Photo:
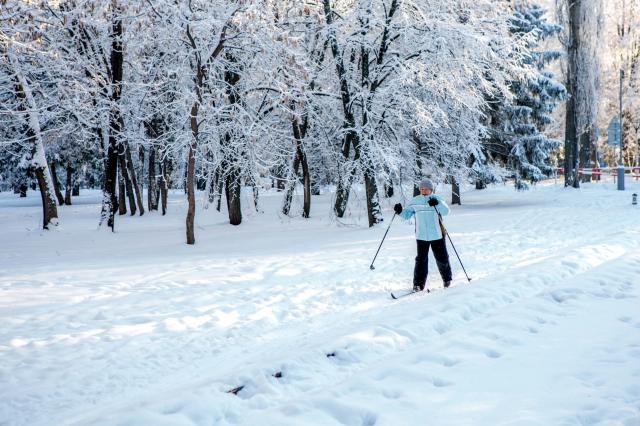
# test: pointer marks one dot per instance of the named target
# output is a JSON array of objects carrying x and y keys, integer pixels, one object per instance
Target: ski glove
[
  {"x": 433, "y": 202},
  {"x": 397, "y": 208}
]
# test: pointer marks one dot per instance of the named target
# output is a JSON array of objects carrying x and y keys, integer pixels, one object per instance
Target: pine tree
[{"x": 516, "y": 138}]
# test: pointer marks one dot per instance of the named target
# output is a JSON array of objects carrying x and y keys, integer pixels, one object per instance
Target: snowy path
[{"x": 152, "y": 332}]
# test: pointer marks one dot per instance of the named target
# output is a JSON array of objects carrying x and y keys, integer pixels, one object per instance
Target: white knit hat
[{"x": 426, "y": 183}]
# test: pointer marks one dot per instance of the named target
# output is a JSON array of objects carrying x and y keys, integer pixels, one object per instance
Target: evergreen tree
[{"x": 515, "y": 138}]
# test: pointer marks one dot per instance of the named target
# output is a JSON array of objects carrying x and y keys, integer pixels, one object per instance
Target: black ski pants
[{"x": 421, "y": 270}]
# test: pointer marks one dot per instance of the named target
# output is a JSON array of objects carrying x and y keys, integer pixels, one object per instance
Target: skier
[{"x": 428, "y": 233}]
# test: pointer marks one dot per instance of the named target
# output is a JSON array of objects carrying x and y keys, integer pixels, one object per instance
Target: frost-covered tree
[
  {"x": 451, "y": 112},
  {"x": 28, "y": 97},
  {"x": 621, "y": 51},
  {"x": 518, "y": 130},
  {"x": 215, "y": 58},
  {"x": 15, "y": 175},
  {"x": 219, "y": 96},
  {"x": 411, "y": 77},
  {"x": 583, "y": 31}
]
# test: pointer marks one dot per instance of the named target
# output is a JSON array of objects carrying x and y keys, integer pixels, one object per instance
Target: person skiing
[{"x": 429, "y": 233}]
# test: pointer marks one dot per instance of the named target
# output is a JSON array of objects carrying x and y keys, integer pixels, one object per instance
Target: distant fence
[{"x": 634, "y": 172}]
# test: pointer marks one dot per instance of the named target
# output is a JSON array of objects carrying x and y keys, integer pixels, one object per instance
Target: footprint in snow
[
  {"x": 561, "y": 296},
  {"x": 492, "y": 353},
  {"x": 619, "y": 296},
  {"x": 440, "y": 382},
  {"x": 625, "y": 319},
  {"x": 392, "y": 393},
  {"x": 441, "y": 327},
  {"x": 100, "y": 316},
  {"x": 570, "y": 264},
  {"x": 489, "y": 335},
  {"x": 436, "y": 359}
]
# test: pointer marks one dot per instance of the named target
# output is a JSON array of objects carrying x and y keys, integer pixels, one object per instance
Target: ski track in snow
[{"x": 548, "y": 331}]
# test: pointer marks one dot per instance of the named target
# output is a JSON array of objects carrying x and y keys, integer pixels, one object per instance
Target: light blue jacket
[{"x": 427, "y": 223}]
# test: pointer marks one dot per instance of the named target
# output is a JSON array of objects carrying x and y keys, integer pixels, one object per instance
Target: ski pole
[
  {"x": 385, "y": 236},
  {"x": 454, "y": 247}
]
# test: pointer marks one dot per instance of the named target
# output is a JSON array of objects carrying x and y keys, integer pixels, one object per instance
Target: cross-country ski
[{"x": 403, "y": 294}]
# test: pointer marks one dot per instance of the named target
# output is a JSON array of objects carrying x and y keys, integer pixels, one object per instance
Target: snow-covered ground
[{"x": 137, "y": 328}]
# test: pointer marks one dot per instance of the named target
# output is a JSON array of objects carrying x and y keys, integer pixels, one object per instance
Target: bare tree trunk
[
  {"x": 256, "y": 197},
  {"x": 343, "y": 189},
  {"x": 416, "y": 140},
  {"x": 344, "y": 184},
  {"x": 586, "y": 154},
  {"x": 191, "y": 166},
  {"x": 49, "y": 204},
  {"x": 152, "y": 197},
  {"x": 388, "y": 190},
  {"x": 109, "y": 202},
  {"x": 141, "y": 158},
  {"x": 219, "y": 188},
  {"x": 133, "y": 177},
  {"x": 278, "y": 180},
  {"x": 38, "y": 157},
  {"x": 185, "y": 177},
  {"x": 122, "y": 201},
  {"x": 191, "y": 198},
  {"x": 233, "y": 188},
  {"x": 124, "y": 175},
  {"x": 68, "y": 186},
  {"x": 371, "y": 187},
  {"x": 195, "y": 131},
  {"x": 165, "y": 179},
  {"x": 299, "y": 133},
  {"x": 455, "y": 191},
  {"x": 200, "y": 65},
  {"x": 571, "y": 142},
  {"x": 306, "y": 184},
  {"x": 293, "y": 181},
  {"x": 373, "y": 202},
  {"x": 211, "y": 187},
  {"x": 56, "y": 183},
  {"x": 234, "y": 176},
  {"x": 571, "y": 145}
]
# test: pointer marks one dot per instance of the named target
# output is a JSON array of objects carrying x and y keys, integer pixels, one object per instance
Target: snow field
[{"x": 136, "y": 328}]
